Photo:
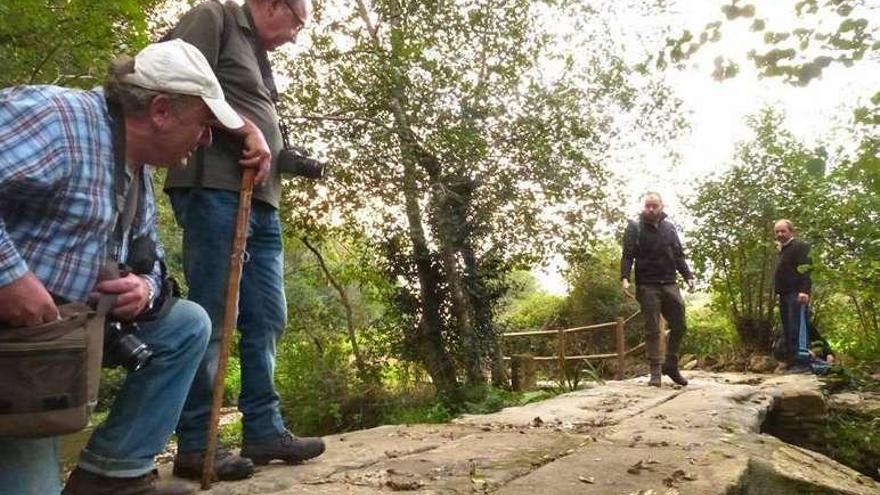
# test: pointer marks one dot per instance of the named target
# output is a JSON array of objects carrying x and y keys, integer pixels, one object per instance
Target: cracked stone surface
[{"x": 618, "y": 438}]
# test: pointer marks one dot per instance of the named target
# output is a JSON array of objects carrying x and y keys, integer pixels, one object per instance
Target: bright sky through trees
[{"x": 817, "y": 113}]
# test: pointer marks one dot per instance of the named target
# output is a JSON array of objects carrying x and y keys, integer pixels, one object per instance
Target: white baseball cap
[{"x": 175, "y": 66}]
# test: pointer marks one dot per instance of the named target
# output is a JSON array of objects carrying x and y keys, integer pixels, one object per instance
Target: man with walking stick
[{"x": 236, "y": 40}]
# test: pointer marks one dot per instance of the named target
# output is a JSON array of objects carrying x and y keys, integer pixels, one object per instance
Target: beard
[{"x": 651, "y": 217}]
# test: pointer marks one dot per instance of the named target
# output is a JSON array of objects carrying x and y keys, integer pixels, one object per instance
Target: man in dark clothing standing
[
  {"x": 652, "y": 243},
  {"x": 793, "y": 287}
]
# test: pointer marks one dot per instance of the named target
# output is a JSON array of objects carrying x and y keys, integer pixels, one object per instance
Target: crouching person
[{"x": 75, "y": 194}]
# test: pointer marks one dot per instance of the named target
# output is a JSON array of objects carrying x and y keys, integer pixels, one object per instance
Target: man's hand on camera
[
  {"x": 26, "y": 302},
  {"x": 624, "y": 284},
  {"x": 133, "y": 295},
  {"x": 255, "y": 152},
  {"x": 692, "y": 285}
]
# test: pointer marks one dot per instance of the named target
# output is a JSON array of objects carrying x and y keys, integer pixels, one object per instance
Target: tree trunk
[
  {"x": 430, "y": 337},
  {"x": 360, "y": 365},
  {"x": 450, "y": 227},
  {"x": 483, "y": 320},
  {"x": 461, "y": 310}
]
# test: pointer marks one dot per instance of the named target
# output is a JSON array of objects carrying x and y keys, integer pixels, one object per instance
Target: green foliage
[
  {"x": 481, "y": 400},
  {"x": 230, "y": 434},
  {"x": 773, "y": 177},
  {"x": 852, "y": 439},
  {"x": 68, "y": 42},
  {"x": 432, "y": 412},
  {"x": 111, "y": 383},
  {"x": 314, "y": 383},
  {"x": 596, "y": 297},
  {"x": 710, "y": 330},
  {"x": 594, "y": 278},
  {"x": 835, "y": 210},
  {"x": 232, "y": 385},
  {"x": 532, "y": 312}
]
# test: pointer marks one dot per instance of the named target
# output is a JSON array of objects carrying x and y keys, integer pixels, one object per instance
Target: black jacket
[
  {"x": 793, "y": 268},
  {"x": 656, "y": 251}
]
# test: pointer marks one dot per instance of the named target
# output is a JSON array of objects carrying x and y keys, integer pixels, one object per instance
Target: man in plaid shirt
[{"x": 58, "y": 210}]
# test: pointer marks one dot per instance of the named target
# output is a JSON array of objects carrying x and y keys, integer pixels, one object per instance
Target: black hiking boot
[
  {"x": 227, "y": 466},
  {"x": 283, "y": 447},
  {"x": 82, "y": 482},
  {"x": 670, "y": 369}
]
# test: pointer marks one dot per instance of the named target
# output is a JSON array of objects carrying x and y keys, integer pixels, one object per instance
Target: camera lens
[
  {"x": 294, "y": 162},
  {"x": 124, "y": 349},
  {"x": 132, "y": 352}
]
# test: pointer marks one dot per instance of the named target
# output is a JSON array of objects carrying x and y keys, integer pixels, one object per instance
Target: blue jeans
[
  {"x": 29, "y": 466},
  {"x": 147, "y": 408},
  {"x": 207, "y": 217},
  {"x": 795, "y": 318}
]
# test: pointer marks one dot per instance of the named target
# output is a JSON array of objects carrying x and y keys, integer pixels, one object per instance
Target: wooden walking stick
[{"x": 230, "y": 316}]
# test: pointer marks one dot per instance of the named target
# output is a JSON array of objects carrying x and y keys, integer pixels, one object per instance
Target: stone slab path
[{"x": 618, "y": 438}]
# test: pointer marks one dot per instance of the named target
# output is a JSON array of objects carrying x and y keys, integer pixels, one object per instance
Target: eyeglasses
[{"x": 300, "y": 22}]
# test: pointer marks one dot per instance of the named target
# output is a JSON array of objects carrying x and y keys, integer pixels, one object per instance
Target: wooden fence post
[
  {"x": 523, "y": 373},
  {"x": 560, "y": 355},
  {"x": 621, "y": 347}
]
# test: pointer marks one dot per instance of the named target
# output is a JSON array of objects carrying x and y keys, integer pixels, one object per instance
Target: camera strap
[{"x": 127, "y": 198}]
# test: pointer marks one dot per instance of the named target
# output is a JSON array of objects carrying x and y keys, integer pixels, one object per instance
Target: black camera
[
  {"x": 123, "y": 348},
  {"x": 296, "y": 161}
]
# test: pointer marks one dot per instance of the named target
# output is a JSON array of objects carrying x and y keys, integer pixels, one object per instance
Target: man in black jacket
[
  {"x": 652, "y": 243},
  {"x": 793, "y": 287}
]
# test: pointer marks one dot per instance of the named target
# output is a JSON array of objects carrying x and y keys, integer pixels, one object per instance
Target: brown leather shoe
[{"x": 82, "y": 482}]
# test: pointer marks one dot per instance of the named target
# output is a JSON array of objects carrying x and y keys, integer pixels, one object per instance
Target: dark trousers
[
  {"x": 795, "y": 318},
  {"x": 665, "y": 299}
]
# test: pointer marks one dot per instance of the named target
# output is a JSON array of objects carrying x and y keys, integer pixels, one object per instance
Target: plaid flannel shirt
[{"x": 57, "y": 206}]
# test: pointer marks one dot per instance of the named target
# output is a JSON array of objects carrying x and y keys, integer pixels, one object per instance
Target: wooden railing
[{"x": 618, "y": 326}]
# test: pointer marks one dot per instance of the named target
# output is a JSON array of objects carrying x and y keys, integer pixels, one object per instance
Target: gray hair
[
  {"x": 652, "y": 194},
  {"x": 785, "y": 222},
  {"x": 135, "y": 100},
  {"x": 305, "y": 6}
]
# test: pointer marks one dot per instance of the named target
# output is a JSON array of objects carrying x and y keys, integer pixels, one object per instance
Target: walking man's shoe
[
  {"x": 227, "y": 466},
  {"x": 83, "y": 482},
  {"x": 670, "y": 369},
  {"x": 654, "y": 381},
  {"x": 282, "y": 447}
]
